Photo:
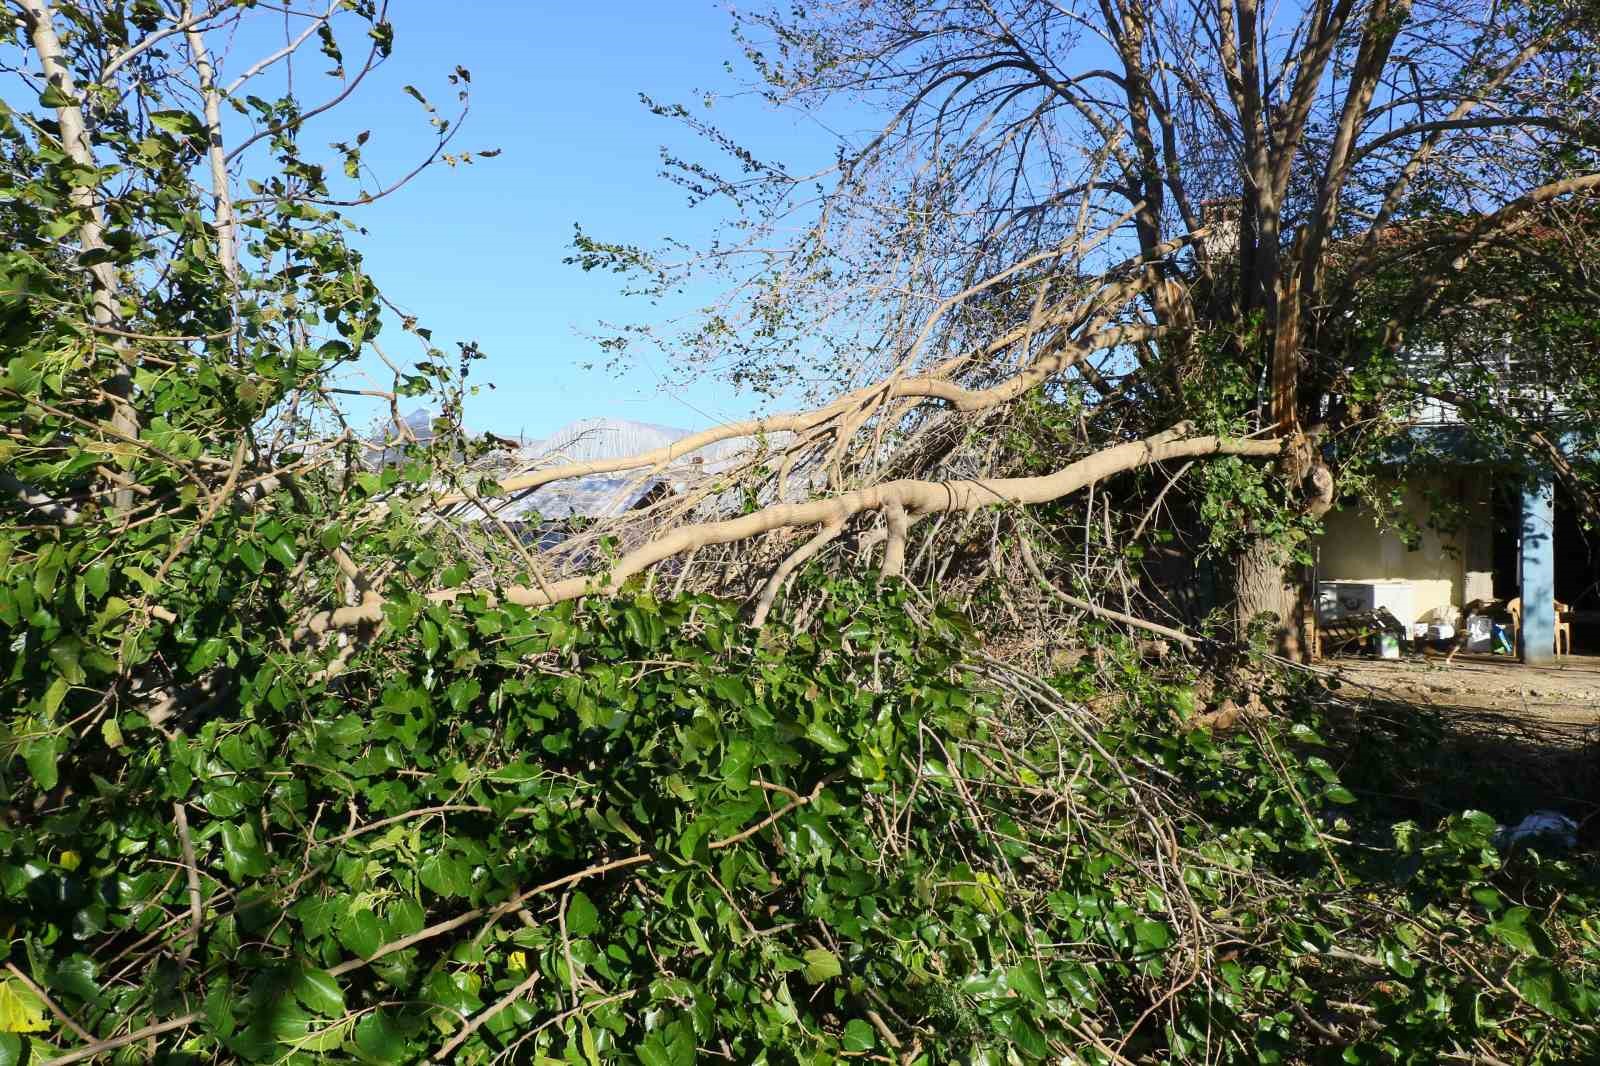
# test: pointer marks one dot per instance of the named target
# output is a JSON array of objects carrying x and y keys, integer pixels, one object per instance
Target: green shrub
[{"x": 626, "y": 831}]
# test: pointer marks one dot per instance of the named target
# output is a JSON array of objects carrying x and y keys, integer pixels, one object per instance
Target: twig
[
  {"x": 446, "y": 808},
  {"x": 494, "y": 913},
  {"x": 1095, "y": 609},
  {"x": 192, "y": 871},
  {"x": 61, "y": 1015},
  {"x": 182, "y": 1021},
  {"x": 443, "y": 1054},
  {"x": 773, "y": 817},
  {"x": 212, "y": 507},
  {"x": 1138, "y": 530}
]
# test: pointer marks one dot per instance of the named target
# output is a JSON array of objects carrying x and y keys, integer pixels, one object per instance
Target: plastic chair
[{"x": 1563, "y": 628}]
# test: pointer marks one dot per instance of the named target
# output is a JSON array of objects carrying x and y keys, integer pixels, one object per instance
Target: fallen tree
[{"x": 297, "y": 765}]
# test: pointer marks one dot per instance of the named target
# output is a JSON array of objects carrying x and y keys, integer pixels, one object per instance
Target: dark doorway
[
  {"x": 1578, "y": 572},
  {"x": 1507, "y": 560}
]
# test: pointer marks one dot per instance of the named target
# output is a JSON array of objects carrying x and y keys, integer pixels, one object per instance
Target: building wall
[{"x": 1446, "y": 571}]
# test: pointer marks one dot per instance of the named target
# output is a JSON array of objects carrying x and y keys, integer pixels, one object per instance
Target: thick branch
[
  {"x": 894, "y": 549},
  {"x": 46, "y": 506},
  {"x": 798, "y": 558},
  {"x": 922, "y": 386},
  {"x": 37, "y": 17},
  {"x": 916, "y": 498}
]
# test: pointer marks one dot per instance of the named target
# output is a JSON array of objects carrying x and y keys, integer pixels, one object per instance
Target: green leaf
[
  {"x": 250, "y": 553},
  {"x": 1152, "y": 936},
  {"x": 1511, "y": 928},
  {"x": 78, "y": 975},
  {"x": 377, "y": 1040},
  {"x": 180, "y": 122},
  {"x": 445, "y": 874},
  {"x": 582, "y": 918},
  {"x": 1319, "y": 766},
  {"x": 821, "y": 964},
  {"x": 242, "y": 853},
  {"x": 858, "y": 1036},
  {"x": 404, "y": 917},
  {"x": 1540, "y": 984},
  {"x": 40, "y": 755},
  {"x": 826, "y": 737},
  {"x": 1028, "y": 1038},
  {"x": 54, "y": 97},
  {"x": 97, "y": 579},
  {"x": 1025, "y": 980},
  {"x": 361, "y": 932},
  {"x": 289, "y": 1023},
  {"x": 10, "y": 1049},
  {"x": 282, "y": 549},
  {"x": 205, "y": 653},
  {"x": 319, "y": 990},
  {"x": 516, "y": 773},
  {"x": 21, "y": 1011},
  {"x": 1339, "y": 794},
  {"x": 66, "y": 653}
]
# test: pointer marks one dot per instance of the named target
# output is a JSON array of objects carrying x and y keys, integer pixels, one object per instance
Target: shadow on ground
[{"x": 1424, "y": 761}]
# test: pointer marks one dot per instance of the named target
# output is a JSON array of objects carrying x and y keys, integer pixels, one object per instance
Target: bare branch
[
  {"x": 917, "y": 498},
  {"x": 775, "y": 583},
  {"x": 46, "y": 506}
]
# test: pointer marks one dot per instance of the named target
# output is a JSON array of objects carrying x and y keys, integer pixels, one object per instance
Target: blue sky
[{"x": 476, "y": 251}]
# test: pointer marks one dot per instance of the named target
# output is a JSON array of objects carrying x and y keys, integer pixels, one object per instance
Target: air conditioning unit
[{"x": 1340, "y": 599}]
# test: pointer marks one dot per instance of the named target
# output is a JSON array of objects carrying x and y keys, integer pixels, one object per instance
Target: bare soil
[{"x": 1564, "y": 694}]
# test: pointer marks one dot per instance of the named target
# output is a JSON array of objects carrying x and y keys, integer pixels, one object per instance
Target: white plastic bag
[{"x": 1480, "y": 631}]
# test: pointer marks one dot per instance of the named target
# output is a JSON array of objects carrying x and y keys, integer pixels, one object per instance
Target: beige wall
[{"x": 1356, "y": 547}]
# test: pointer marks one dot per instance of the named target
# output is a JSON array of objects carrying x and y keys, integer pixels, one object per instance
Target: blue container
[{"x": 1500, "y": 640}]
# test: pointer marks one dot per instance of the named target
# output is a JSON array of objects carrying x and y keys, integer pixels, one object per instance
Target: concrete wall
[{"x": 1357, "y": 547}]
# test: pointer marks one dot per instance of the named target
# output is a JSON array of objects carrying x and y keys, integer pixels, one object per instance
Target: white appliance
[{"x": 1339, "y": 599}]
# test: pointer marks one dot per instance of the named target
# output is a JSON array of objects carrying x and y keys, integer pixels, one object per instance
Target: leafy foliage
[
  {"x": 664, "y": 832},
  {"x": 630, "y": 829}
]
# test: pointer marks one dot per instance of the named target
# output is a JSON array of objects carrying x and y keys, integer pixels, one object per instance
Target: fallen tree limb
[
  {"x": 916, "y": 498},
  {"x": 904, "y": 502},
  {"x": 928, "y": 386}
]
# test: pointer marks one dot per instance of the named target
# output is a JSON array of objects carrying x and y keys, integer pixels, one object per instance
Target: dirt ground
[
  {"x": 1505, "y": 738},
  {"x": 1564, "y": 694}
]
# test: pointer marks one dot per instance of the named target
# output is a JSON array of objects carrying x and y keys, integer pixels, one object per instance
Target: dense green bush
[{"x": 626, "y": 831}]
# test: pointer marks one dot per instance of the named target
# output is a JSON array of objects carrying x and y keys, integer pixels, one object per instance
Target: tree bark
[
  {"x": 1266, "y": 583},
  {"x": 1266, "y": 594}
]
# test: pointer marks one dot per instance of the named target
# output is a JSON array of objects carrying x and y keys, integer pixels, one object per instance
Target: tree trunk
[
  {"x": 1266, "y": 589},
  {"x": 38, "y": 18}
]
